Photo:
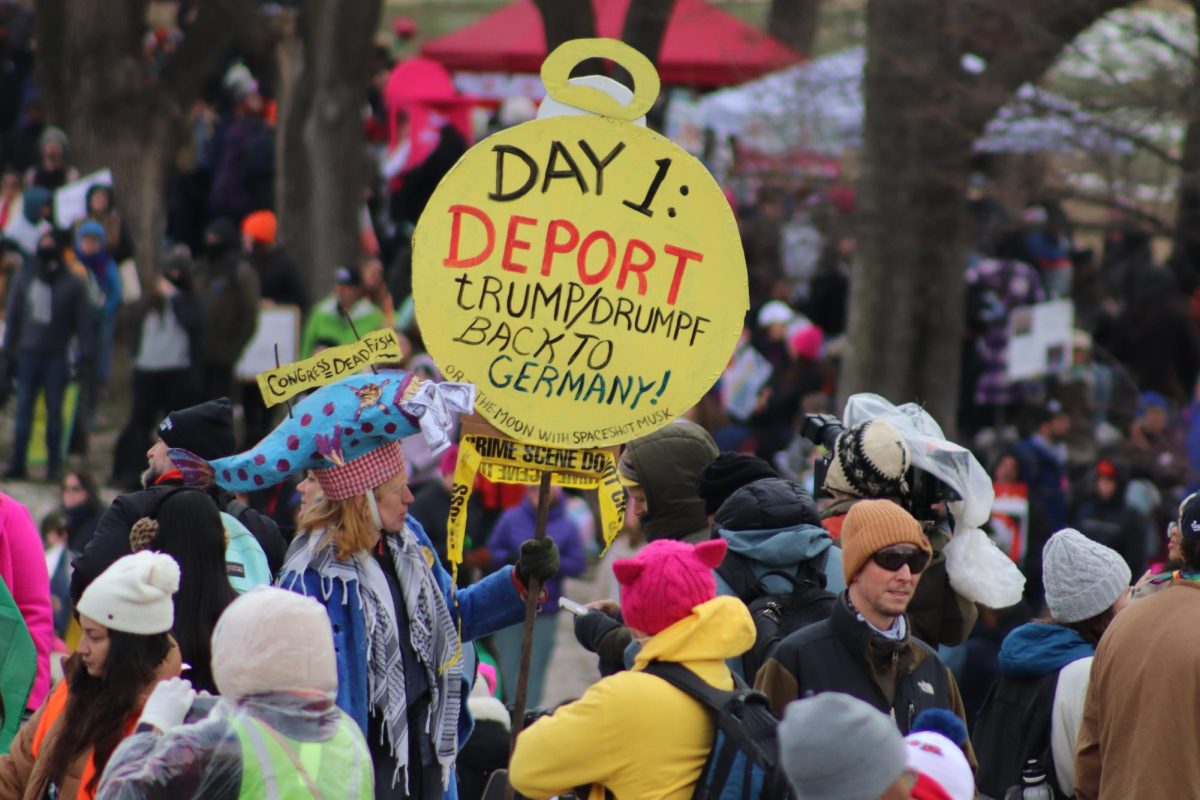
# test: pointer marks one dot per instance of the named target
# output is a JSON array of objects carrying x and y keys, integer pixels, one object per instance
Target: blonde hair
[{"x": 347, "y": 525}]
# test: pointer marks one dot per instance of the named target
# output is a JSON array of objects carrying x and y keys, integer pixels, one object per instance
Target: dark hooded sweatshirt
[{"x": 666, "y": 464}]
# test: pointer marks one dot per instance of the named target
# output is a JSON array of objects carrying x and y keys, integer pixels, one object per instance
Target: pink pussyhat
[
  {"x": 488, "y": 673},
  {"x": 666, "y": 580}
]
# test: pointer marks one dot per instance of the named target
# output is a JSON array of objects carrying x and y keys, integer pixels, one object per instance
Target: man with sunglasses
[{"x": 865, "y": 648}]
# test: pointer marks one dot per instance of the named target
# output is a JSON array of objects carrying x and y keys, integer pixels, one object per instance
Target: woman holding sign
[{"x": 398, "y": 627}]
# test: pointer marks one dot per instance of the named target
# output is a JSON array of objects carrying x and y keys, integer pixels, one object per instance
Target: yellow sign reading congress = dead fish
[{"x": 327, "y": 366}]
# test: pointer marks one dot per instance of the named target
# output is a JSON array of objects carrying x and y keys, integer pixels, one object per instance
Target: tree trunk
[
  {"x": 644, "y": 30},
  {"x": 291, "y": 156},
  {"x": 564, "y": 20},
  {"x": 1185, "y": 254},
  {"x": 905, "y": 325},
  {"x": 118, "y": 111},
  {"x": 923, "y": 112},
  {"x": 336, "y": 63},
  {"x": 795, "y": 23}
]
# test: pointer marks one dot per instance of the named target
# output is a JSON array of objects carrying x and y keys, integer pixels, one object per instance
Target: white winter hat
[
  {"x": 1082, "y": 578},
  {"x": 775, "y": 312},
  {"x": 273, "y": 640},
  {"x": 134, "y": 594},
  {"x": 938, "y": 759}
]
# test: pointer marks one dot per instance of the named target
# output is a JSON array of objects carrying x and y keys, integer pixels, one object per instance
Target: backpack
[
  {"x": 245, "y": 561},
  {"x": 778, "y": 614},
  {"x": 1013, "y": 727},
  {"x": 744, "y": 761}
]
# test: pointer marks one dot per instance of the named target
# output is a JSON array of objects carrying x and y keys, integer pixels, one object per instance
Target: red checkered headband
[{"x": 362, "y": 474}]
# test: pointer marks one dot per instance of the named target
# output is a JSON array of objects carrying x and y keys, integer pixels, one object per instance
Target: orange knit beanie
[
  {"x": 873, "y": 525},
  {"x": 260, "y": 227}
]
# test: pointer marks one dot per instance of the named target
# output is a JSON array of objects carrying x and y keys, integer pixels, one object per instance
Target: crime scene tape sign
[
  {"x": 584, "y": 272},
  {"x": 503, "y": 460},
  {"x": 328, "y": 366}
]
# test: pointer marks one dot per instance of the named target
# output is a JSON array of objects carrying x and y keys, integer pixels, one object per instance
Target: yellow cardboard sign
[
  {"x": 585, "y": 273},
  {"x": 327, "y": 366},
  {"x": 503, "y": 460}
]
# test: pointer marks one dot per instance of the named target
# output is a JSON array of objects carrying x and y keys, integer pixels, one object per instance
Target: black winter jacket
[
  {"x": 843, "y": 654},
  {"x": 111, "y": 540}
]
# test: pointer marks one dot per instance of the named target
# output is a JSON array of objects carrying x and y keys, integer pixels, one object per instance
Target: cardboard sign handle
[{"x": 556, "y": 70}]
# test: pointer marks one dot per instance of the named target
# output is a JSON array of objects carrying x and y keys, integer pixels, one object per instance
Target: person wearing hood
[
  {"x": 1045, "y": 667},
  {"x": 515, "y": 526},
  {"x": 1106, "y": 518},
  {"x": 229, "y": 292},
  {"x": 632, "y": 733},
  {"x": 660, "y": 472},
  {"x": 37, "y": 210},
  {"x": 727, "y": 473},
  {"x": 47, "y": 309},
  {"x": 771, "y": 526},
  {"x": 52, "y": 170},
  {"x": 102, "y": 208},
  {"x": 104, "y": 292},
  {"x": 277, "y": 702}
]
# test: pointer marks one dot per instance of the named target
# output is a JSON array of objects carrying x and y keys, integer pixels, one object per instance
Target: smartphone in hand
[{"x": 572, "y": 606}]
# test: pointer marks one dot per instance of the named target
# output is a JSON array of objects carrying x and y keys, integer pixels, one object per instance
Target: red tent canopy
[{"x": 703, "y": 46}]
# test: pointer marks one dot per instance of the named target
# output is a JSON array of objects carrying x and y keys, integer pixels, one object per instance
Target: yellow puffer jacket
[{"x": 633, "y": 733}]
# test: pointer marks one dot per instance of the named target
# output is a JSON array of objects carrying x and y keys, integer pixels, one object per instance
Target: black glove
[
  {"x": 539, "y": 559},
  {"x": 591, "y": 628}
]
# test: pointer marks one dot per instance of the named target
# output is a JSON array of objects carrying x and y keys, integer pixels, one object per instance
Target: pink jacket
[{"x": 23, "y": 570}]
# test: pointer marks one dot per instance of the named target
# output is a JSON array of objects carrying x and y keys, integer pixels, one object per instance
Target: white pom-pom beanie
[
  {"x": 134, "y": 594},
  {"x": 273, "y": 640}
]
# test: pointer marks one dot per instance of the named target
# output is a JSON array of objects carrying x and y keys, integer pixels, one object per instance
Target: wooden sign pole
[{"x": 531, "y": 608}]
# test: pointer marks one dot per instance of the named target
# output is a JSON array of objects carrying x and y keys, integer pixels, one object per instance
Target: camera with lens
[{"x": 925, "y": 493}]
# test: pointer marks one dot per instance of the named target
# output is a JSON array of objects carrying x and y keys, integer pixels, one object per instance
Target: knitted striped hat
[{"x": 870, "y": 459}]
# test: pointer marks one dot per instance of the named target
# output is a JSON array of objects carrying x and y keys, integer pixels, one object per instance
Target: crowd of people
[
  {"x": 190, "y": 670},
  {"x": 268, "y": 609}
]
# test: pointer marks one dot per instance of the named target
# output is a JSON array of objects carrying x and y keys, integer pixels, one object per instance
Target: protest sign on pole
[
  {"x": 70, "y": 201},
  {"x": 584, "y": 272},
  {"x": 1039, "y": 340},
  {"x": 587, "y": 275},
  {"x": 282, "y": 383}
]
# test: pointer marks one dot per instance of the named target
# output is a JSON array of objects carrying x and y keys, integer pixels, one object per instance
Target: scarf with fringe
[{"x": 433, "y": 637}]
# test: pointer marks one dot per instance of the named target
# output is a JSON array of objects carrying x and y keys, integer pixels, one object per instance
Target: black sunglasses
[{"x": 893, "y": 560}]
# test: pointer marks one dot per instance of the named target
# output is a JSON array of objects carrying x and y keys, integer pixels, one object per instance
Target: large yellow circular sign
[{"x": 583, "y": 272}]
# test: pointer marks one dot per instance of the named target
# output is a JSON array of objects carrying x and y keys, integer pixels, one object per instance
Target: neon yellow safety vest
[{"x": 339, "y": 767}]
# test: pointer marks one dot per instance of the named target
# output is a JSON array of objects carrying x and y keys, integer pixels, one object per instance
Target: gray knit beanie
[
  {"x": 1082, "y": 578},
  {"x": 819, "y": 765}
]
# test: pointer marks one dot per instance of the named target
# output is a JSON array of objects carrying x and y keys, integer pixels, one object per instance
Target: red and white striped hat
[{"x": 362, "y": 474}]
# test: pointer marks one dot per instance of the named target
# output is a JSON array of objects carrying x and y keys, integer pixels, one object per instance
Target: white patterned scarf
[{"x": 433, "y": 637}]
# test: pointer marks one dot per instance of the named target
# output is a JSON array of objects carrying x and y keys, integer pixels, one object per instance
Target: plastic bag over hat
[
  {"x": 238, "y": 747},
  {"x": 978, "y": 570}
]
